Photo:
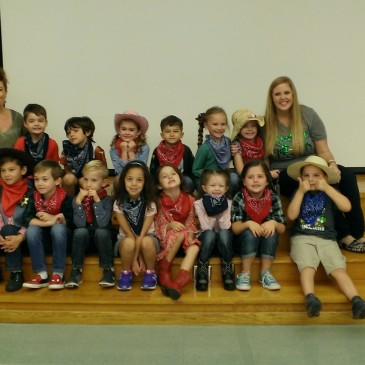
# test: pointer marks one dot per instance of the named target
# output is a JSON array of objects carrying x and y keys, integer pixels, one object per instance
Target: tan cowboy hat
[
  {"x": 240, "y": 117},
  {"x": 295, "y": 169}
]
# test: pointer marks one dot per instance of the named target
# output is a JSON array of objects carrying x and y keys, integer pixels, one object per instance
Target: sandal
[{"x": 354, "y": 246}]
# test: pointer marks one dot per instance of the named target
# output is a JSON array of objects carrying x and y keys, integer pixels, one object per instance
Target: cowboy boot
[
  {"x": 165, "y": 280},
  {"x": 228, "y": 275},
  {"x": 183, "y": 278},
  {"x": 201, "y": 280}
]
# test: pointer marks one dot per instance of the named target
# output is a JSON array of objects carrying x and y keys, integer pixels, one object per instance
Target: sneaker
[
  {"x": 15, "y": 282},
  {"x": 108, "y": 279},
  {"x": 268, "y": 281},
  {"x": 75, "y": 279},
  {"x": 354, "y": 246},
  {"x": 243, "y": 281},
  {"x": 36, "y": 283},
  {"x": 56, "y": 282},
  {"x": 358, "y": 308},
  {"x": 312, "y": 305},
  {"x": 149, "y": 281},
  {"x": 125, "y": 280}
]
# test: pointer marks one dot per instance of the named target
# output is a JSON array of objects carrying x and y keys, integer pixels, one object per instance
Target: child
[
  {"x": 129, "y": 143},
  {"x": 214, "y": 212},
  {"x": 247, "y": 143},
  {"x": 175, "y": 227},
  {"x": 172, "y": 150},
  {"x": 92, "y": 211},
  {"x": 135, "y": 210},
  {"x": 314, "y": 238},
  {"x": 78, "y": 150},
  {"x": 36, "y": 142},
  {"x": 215, "y": 152},
  {"x": 50, "y": 219},
  {"x": 15, "y": 195},
  {"x": 257, "y": 220}
]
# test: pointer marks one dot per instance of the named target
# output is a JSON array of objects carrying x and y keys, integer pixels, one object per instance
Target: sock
[{"x": 43, "y": 274}]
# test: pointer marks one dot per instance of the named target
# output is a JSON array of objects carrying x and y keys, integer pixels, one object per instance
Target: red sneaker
[
  {"x": 36, "y": 283},
  {"x": 56, "y": 282}
]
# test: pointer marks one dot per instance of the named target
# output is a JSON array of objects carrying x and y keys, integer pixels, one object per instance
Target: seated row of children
[{"x": 154, "y": 229}]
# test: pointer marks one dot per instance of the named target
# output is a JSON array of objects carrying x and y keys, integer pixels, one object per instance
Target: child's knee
[{"x": 69, "y": 179}]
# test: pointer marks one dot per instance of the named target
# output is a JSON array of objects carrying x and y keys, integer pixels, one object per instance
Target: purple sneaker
[
  {"x": 125, "y": 280},
  {"x": 149, "y": 281}
]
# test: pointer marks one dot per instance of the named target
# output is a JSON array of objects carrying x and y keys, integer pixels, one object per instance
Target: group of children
[{"x": 158, "y": 217}]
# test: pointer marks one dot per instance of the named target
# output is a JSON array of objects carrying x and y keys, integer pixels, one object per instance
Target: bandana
[
  {"x": 251, "y": 150},
  {"x": 215, "y": 205},
  {"x": 221, "y": 150},
  {"x": 76, "y": 157},
  {"x": 170, "y": 154},
  {"x": 51, "y": 205},
  {"x": 37, "y": 150},
  {"x": 88, "y": 205},
  {"x": 258, "y": 208},
  {"x": 11, "y": 195},
  {"x": 135, "y": 211},
  {"x": 178, "y": 209},
  {"x": 312, "y": 207}
]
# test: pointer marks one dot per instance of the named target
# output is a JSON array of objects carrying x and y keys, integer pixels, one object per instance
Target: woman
[
  {"x": 293, "y": 132},
  {"x": 11, "y": 122}
]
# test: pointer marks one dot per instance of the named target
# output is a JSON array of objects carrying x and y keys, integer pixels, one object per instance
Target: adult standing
[
  {"x": 292, "y": 133},
  {"x": 11, "y": 122}
]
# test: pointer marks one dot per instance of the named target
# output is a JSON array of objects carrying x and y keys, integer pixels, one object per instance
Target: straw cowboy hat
[
  {"x": 142, "y": 122},
  {"x": 240, "y": 117}
]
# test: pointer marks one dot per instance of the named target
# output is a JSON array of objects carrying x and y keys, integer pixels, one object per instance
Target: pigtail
[{"x": 201, "y": 120}]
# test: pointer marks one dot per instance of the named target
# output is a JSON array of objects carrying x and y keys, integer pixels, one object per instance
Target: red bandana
[
  {"x": 178, "y": 209},
  {"x": 252, "y": 150},
  {"x": 11, "y": 195},
  {"x": 170, "y": 154},
  {"x": 88, "y": 205},
  {"x": 53, "y": 204},
  {"x": 258, "y": 208}
]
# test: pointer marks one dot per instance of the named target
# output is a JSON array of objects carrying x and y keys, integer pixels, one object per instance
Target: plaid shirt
[{"x": 238, "y": 213}]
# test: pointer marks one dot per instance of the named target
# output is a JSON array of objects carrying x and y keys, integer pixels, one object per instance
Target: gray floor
[{"x": 173, "y": 345}]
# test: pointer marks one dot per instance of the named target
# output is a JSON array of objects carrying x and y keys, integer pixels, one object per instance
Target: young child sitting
[
  {"x": 15, "y": 195},
  {"x": 78, "y": 150},
  {"x": 36, "y": 141},
  {"x": 49, "y": 220},
  {"x": 313, "y": 238},
  {"x": 92, "y": 211},
  {"x": 172, "y": 150},
  {"x": 129, "y": 143}
]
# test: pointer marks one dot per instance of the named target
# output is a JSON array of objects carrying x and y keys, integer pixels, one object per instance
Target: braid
[{"x": 201, "y": 120}]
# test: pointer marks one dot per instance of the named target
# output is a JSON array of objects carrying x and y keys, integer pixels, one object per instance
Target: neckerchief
[
  {"x": 53, "y": 204},
  {"x": 135, "y": 211},
  {"x": 258, "y": 208},
  {"x": 170, "y": 154},
  {"x": 88, "y": 205},
  {"x": 11, "y": 195},
  {"x": 37, "y": 150},
  {"x": 214, "y": 205},
  {"x": 221, "y": 150},
  {"x": 312, "y": 207},
  {"x": 252, "y": 150},
  {"x": 179, "y": 209},
  {"x": 76, "y": 157}
]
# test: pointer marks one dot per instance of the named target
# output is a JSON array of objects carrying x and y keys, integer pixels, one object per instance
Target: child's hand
[
  {"x": 124, "y": 146},
  {"x": 322, "y": 185},
  {"x": 176, "y": 226},
  {"x": 60, "y": 218},
  {"x": 93, "y": 193},
  {"x": 255, "y": 228},
  {"x": 45, "y": 217},
  {"x": 11, "y": 243},
  {"x": 234, "y": 149},
  {"x": 132, "y": 146},
  {"x": 275, "y": 174},
  {"x": 268, "y": 228},
  {"x": 303, "y": 185}
]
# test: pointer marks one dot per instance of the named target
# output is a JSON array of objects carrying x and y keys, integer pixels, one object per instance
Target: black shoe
[
  {"x": 15, "y": 282},
  {"x": 228, "y": 275},
  {"x": 313, "y": 305},
  {"x": 75, "y": 279},
  {"x": 201, "y": 280},
  {"x": 358, "y": 308},
  {"x": 354, "y": 246},
  {"x": 108, "y": 279}
]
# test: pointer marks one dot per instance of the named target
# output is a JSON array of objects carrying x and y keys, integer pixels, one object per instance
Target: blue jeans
[
  {"x": 234, "y": 182},
  {"x": 39, "y": 238},
  {"x": 222, "y": 239},
  {"x": 103, "y": 242},
  {"x": 250, "y": 245},
  {"x": 13, "y": 260}
]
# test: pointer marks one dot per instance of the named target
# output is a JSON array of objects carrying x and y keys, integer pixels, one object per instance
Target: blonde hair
[
  {"x": 96, "y": 165},
  {"x": 271, "y": 119}
]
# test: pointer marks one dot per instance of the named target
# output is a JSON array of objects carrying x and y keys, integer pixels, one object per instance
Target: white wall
[{"x": 160, "y": 57}]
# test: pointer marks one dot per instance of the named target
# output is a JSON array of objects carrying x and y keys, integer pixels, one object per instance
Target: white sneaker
[{"x": 243, "y": 281}]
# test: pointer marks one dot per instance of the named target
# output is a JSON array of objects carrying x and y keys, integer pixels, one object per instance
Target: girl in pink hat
[{"x": 129, "y": 143}]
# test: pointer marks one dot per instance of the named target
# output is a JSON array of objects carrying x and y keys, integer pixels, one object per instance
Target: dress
[{"x": 8, "y": 138}]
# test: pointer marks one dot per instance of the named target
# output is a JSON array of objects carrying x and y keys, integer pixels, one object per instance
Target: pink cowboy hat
[{"x": 141, "y": 122}]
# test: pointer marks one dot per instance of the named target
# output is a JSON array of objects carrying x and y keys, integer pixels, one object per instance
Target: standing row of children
[{"x": 153, "y": 229}]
